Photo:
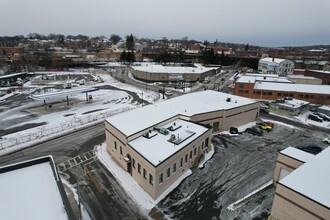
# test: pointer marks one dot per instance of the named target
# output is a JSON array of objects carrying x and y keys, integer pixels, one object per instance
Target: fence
[{"x": 45, "y": 131}]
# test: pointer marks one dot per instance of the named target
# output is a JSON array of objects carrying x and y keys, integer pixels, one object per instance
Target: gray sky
[{"x": 258, "y": 22}]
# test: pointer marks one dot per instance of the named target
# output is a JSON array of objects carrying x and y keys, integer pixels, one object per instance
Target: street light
[{"x": 78, "y": 190}]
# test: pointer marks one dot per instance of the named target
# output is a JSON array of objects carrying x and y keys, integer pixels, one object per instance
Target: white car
[
  {"x": 168, "y": 93},
  {"x": 326, "y": 140}
]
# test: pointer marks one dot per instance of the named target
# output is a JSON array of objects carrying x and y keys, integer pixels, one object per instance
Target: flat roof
[
  {"x": 294, "y": 103},
  {"x": 274, "y": 60},
  {"x": 68, "y": 92},
  {"x": 312, "y": 179},
  {"x": 288, "y": 87},
  {"x": 30, "y": 192},
  {"x": 189, "y": 104},
  {"x": 151, "y": 68},
  {"x": 297, "y": 154},
  {"x": 158, "y": 148},
  {"x": 302, "y": 77},
  {"x": 251, "y": 78},
  {"x": 320, "y": 71}
]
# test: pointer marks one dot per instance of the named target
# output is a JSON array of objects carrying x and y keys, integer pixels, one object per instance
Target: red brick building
[
  {"x": 271, "y": 88},
  {"x": 320, "y": 74}
]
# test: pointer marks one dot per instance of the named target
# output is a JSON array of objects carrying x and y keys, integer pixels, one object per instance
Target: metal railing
[{"x": 45, "y": 131}]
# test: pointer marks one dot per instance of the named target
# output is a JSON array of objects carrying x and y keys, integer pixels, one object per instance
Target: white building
[{"x": 281, "y": 67}]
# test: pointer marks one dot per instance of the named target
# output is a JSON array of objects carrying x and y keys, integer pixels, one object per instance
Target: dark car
[
  {"x": 313, "y": 149},
  {"x": 263, "y": 110},
  {"x": 315, "y": 118},
  {"x": 254, "y": 131},
  {"x": 323, "y": 116},
  {"x": 233, "y": 130}
]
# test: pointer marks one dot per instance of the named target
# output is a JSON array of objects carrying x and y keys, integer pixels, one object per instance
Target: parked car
[
  {"x": 168, "y": 93},
  {"x": 254, "y": 131},
  {"x": 233, "y": 130},
  {"x": 326, "y": 140},
  {"x": 315, "y": 118},
  {"x": 161, "y": 90},
  {"x": 263, "y": 110},
  {"x": 264, "y": 126},
  {"x": 313, "y": 149},
  {"x": 323, "y": 116},
  {"x": 271, "y": 124}
]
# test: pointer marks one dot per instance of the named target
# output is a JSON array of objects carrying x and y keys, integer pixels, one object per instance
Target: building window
[
  {"x": 202, "y": 145},
  {"x": 207, "y": 142},
  {"x": 300, "y": 96},
  {"x": 186, "y": 158},
  {"x": 181, "y": 162},
  {"x": 240, "y": 91},
  {"x": 258, "y": 93},
  {"x": 246, "y": 91},
  {"x": 168, "y": 172},
  {"x": 160, "y": 178},
  {"x": 174, "y": 167},
  {"x": 121, "y": 150},
  {"x": 269, "y": 93},
  {"x": 307, "y": 96},
  {"x": 115, "y": 145},
  {"x": 241, "y": 85},
  {"x": 151, "y": 179},
  {"x": 190, "y": 154},
  {"x": 139, "y": 168},
  {"x": 144, "y": 173},
  {"x": 195, "y": 151},
  {"x": 133, "y": 162},
  {"x": 291, "y": 95}
]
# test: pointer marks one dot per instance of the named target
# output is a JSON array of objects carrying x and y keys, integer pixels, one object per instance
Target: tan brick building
[
  {"x": 158, "y": 143},
  {"x": 302, "y": 185},
  {"x": 159, "y": 73}
]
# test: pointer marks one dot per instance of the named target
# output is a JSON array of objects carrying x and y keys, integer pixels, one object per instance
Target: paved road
[
  {"x": 73, "y": 154},
  {"x": 294, "y": 123},
  {"x": 62, "y": 148}
]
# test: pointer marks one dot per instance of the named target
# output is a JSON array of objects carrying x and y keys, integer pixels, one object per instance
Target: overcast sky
[{"x": 257, "y": 22}]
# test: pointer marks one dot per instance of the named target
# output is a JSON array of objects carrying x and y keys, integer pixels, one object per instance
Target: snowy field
[{"x": 62, "y": 118}]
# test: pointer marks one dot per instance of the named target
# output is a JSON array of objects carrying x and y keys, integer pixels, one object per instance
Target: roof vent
[
  {"x": 228, "y": 99},
  {"x": 172, "y": 138}
]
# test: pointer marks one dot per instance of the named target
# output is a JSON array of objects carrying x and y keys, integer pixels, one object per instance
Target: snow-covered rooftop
[
  {"x": 294, "y": 103},
  {"x": 288, "y": 87},
  {"x": 312, "y": 179},
  {"x": 31, "y": 192},
  {"x": 270, "y": 59},
  {"x": 297, "y": 154},
  {"x": 152, "y": 68},
  {"x": 158, "y": 148},
  {"x": 251, "y": 78},
  {"x": 301, "y": 77},
  {"x": 64, "y": 93},
  {"x": 190, "y": 104},
  {"x": 320, "y": 71}
]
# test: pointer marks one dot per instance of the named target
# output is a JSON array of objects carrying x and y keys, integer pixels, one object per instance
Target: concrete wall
[
  {"x": 200, "y": 146},
  {"x": 285, "y": 163},
  {"x": 294, "y": 206}
]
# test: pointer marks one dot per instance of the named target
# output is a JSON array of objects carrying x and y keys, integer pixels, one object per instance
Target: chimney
[{"x": 273, "y": 59}]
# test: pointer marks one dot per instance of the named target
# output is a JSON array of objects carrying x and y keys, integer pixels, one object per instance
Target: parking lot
[{"x": 241, "y": 164}]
